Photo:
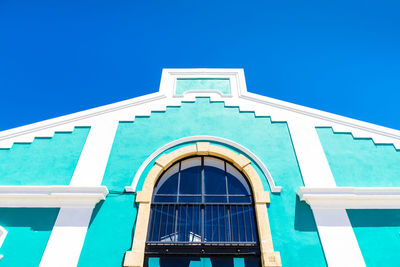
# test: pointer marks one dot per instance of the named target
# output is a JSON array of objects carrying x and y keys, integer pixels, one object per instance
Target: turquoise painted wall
[
  {"x": 360, "y": 162},
  {"x": 110, "y": 231},
  {"x": 28, "y": 232},
  {"x": 220, "y": 84},
  {"x": 45, "y": 161},
  {"x": 293, "y": 229},
  {"x": 377, "y": 233}
]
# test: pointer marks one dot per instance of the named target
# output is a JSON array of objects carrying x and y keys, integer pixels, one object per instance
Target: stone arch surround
[{"x": 135, "y": 256}]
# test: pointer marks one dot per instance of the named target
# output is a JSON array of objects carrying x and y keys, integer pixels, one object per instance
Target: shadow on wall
[
  {"x": 38, "y": 219},
  {"x": 374, "y": 218},
  {"x": 96, "y": 211},
  {"x": 304, "y": 218}
]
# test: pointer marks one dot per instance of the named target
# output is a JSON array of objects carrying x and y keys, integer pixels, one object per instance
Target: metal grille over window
[{"x": 203, "y": 202}]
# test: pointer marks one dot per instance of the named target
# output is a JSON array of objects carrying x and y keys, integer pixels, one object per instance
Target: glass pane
[
  {"x": 236, "y": 182},
  {"x": 211, "y": 227},
  {"x": 239, "y": 224},
  {"x": 164, "y": 199},
  {"x": 214, "y": 176},
  {"x": 168, "y": 183},
  {"x": 189, "y": 226},
  {"x": 239, "y": 199},
  {"x": 154, "y": 219},
  {"x": 193, "y": 232},
  {"x": 251, "y": 219},
  {"x": 249, "y": 227},
  {"x": 223, "y": 228},
  {"x": 190, "y": 176},
  {"x": 215, "y": 199},
  {"x": 183, "y": 216},
  {"x": 190, "y": 199},
  {"x": 168, "y": 233}
]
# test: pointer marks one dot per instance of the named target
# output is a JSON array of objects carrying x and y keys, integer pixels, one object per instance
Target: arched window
[{"x": 202, "y": 206}]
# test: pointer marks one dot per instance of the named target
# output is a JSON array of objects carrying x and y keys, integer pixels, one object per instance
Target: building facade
[{"x": 200, "y": 173}]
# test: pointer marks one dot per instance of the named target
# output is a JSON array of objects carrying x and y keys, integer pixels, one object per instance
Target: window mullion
[
  {"x": 202, "y": 200},
  {"x": 179, "y": 182},
  {"x": 226, "y": 183}
]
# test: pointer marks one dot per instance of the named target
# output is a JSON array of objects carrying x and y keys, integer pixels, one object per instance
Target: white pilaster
[
  {"x": 69, "y": 232},
  {"x": 338, "y": 239},
  {"x": 92, "y": 163},
  {"x": 337, "y": 236},
  {"x": 67, "y": 237}
]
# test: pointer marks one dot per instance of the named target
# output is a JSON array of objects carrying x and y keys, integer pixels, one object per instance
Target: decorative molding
[
  {"x": 351, "y": 197},
  {"x": 252, "y": 156},
  {"x": 51, "y": 196},
  {"x": 359, "y": 129},
  {"x": 135, "y": 256},
  {"x": 143, "y": 106},
  {"x": 121, "y": 111}
]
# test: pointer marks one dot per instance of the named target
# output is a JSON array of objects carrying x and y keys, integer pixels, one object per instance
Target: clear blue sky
[{"x": 59, "y": 57}]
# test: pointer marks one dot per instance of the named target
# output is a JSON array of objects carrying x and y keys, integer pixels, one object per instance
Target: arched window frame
[{"x": 269, "y": 257}]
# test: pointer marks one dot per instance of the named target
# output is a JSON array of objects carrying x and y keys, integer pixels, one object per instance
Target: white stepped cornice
[
  {"x": 51, "y": 196},
  {"x": 351, "y": 197},
  {"x": 143, "y": 106}
]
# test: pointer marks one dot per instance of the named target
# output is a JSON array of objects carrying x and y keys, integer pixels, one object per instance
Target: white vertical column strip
[
  {"x": 94, "y": 157},
  {"x": 67, "y": 237},
  {"x": 335, "y": 231}
]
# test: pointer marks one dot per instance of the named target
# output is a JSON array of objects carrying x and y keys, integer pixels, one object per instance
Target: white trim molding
[
  {"x": 51, "y": 196},
  {"x": 267, "y": 174},
  {"x": 3, "y": 234},
  {"x": 143, "y": 106},
  {"x": 351, "y": 197}
]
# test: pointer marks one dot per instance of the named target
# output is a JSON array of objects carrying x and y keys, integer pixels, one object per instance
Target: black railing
[
  {"x": 202, "y": 224},
  {"x": 202, "y": 205}
]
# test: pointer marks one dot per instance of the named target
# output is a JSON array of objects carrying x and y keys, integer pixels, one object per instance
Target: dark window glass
[
  {"x": 202, "y": 201},
  {"x": 239, "y": 199},
  {"x": 215, "y": 199},
  {"x": 164, "y": 199},
  {"x": 168, "y": 183},
  {"x": 236, "y": 182},
  {"x": 190, "y": 180},
  {"x": 214, "y": 176},
  {"x": 190, "y": 199}
]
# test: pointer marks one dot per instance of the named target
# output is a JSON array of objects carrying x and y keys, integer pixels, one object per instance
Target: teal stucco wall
[
  {"x": 377, "y": 233},
  {"x": 28, "y": 232},
  {"x": 360, "y": 162},
  {"x": 292, "y": 225},
  {"x": 45, "y": 161}
]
